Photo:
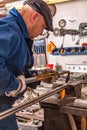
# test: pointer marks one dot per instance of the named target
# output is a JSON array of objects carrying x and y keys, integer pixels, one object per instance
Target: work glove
[{"x": 21, "y": 87}]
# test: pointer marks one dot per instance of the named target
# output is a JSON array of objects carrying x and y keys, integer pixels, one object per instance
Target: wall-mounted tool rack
[{"x": 70, "y": 51}]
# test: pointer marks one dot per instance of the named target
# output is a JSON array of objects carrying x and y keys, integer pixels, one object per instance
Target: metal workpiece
[
  {"x": 47, "y": 75},
  {"x": 31, "y": 80},
  {"x": 40, "y": 97},
  {"x": 26, "y": 104}
]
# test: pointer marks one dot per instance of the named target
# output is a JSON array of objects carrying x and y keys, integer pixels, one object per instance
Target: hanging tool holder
[{"x": 39, "y": 53}]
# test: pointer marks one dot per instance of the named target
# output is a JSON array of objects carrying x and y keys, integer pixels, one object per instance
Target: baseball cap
[{"x": 42, "y": 8}]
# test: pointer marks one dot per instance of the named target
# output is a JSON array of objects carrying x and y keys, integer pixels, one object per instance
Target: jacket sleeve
[{"x": 8, "y": 81}]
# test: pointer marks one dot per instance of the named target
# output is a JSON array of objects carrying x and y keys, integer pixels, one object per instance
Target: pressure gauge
[
  {"x": 62, "y": 23},
  {"x": 56, "y": 32}
]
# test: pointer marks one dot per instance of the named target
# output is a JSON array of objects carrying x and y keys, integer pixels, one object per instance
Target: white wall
[{"x": 76, "y": 11}]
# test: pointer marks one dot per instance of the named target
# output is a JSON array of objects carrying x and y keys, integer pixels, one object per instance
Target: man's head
[
  {"x": 41, "y": 7},
  {"x": 38, "y": 16}
]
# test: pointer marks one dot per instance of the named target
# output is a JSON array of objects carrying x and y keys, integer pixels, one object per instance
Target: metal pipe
[
  {"x": 37, "y": 99},
  {"x": 31, "y": 102},
  {"x": 46, "y": 76}
]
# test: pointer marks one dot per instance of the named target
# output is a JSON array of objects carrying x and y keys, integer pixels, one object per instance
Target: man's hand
[
  {"x": 21, "y": 87},
  {"x": 22, "y": 83}
]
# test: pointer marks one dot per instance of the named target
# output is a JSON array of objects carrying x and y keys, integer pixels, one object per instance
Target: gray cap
[{"x": 42, "y": 8}]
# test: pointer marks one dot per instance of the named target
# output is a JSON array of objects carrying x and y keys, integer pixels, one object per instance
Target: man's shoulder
[{"x": 8, "y": 23}]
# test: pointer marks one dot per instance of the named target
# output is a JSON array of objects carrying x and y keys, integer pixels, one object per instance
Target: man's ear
[{"x": 34, "y": 17}]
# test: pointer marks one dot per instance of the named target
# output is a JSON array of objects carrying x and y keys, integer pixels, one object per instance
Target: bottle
[{"x": 57, "y": 66}]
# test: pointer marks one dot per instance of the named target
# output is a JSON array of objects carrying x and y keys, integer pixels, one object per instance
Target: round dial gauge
[{"x": 62, "y": 23}]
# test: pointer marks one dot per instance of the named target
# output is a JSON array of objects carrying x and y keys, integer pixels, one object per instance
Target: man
[{"x": 17, "y": 31}]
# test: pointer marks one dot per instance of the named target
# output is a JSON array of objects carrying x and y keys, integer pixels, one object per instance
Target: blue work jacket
[{"x": 14, "y": 52}]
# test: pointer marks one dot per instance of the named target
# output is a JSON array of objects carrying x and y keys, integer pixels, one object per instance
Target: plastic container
[{"x": 50, "y": 66}]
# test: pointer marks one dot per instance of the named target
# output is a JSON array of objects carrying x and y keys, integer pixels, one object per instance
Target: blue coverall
[{"x": 15, "y": 54}]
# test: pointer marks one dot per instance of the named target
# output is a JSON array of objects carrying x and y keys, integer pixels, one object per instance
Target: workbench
[{"x": 65, "y": 117}]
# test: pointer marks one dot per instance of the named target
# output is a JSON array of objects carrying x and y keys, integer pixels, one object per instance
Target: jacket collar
[{"x": 20, "y": 21}]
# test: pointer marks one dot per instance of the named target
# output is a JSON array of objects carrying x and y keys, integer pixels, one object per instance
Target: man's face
[
  {"x": 37, "y": 26},
  {"x": 34, "y": 21}
]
